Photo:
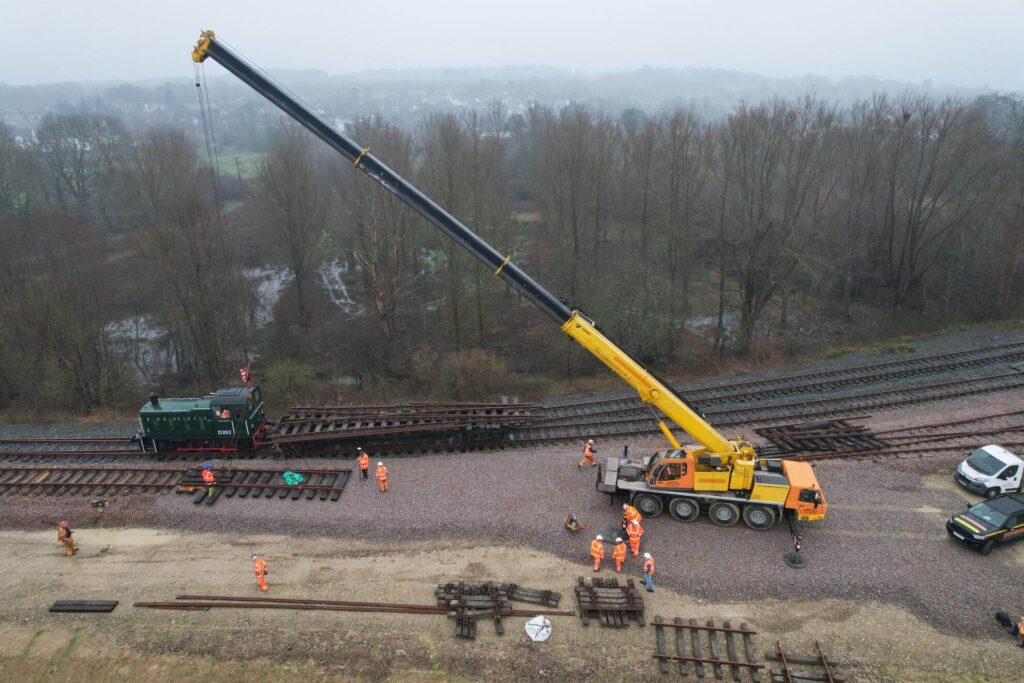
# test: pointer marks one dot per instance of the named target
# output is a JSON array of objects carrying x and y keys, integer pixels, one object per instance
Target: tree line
[{"x": 129, "y": 256}]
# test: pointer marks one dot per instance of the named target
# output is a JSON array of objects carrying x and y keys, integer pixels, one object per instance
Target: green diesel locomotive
[{"x": 226, "y": 421}]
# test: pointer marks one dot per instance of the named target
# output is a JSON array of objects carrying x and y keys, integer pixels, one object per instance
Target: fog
[{"x": 950, "y": 43}]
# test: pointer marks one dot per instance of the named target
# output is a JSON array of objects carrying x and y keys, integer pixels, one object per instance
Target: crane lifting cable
[{"x": 203, "y": 92}]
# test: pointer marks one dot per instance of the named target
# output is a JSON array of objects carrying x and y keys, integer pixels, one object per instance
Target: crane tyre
[
  {"x": 759, "y": 517},
  {"x": 684, "y": 509},
  {"x": 724, "y": 514},
  {"x": 648, "y": 504}
]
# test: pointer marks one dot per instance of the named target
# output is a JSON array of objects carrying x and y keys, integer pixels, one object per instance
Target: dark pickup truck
[{"x": 991, "y": 522}]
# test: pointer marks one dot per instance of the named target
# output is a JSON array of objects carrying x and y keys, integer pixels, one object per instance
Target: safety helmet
[
  {"x": 647, "y": 556},
  {"x": 625, "y": 506},
  {"x": 599, "y": 537},
  {"x": 63, "y": 522},
  {"x": 360, "y": 449},
  {"x": 253, "y": 558},
  {"x": 380, "y": 464},
  {"x": 590, "y": 441},
  {"x": 618, "y": 540}
]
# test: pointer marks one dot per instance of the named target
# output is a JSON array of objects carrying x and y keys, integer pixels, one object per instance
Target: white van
[{"x": 990, "y": 471}]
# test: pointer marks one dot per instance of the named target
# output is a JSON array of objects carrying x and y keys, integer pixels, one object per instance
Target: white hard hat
[
  {"x": 380, "y": 464},
  {"x": 647, "y": 556},
  {"x": 625, "y": 505},
  {"x": 590, "y": 441},
  {"x": 599, "y": 537},
  {"x": 618, "y": 540},
  {"x": 253, "y": 557}
]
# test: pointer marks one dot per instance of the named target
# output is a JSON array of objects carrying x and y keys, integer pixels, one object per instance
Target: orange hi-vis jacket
[
  {"x": 634, "y": 531},
  {"x": 631, "y": 514},
  {"x": 619, "y": 552},
  {"x": 649, "y": 566},
  {"x": 259, "y": 567},
  {"x": 364, "y": 461},
  {"x": 597, "y": 549},
  {"x": 588, "y": 452},
  {"x": 208, "y": 477},
  {"x": 382, "y": 473}
]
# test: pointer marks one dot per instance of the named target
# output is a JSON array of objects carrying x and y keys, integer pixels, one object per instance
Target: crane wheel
[
  {"x": 724, "y": 514},
  {"x": 648, "y": 504},
  {"x": 759, "y": 517},
  {"x": 684, "y": 509}
]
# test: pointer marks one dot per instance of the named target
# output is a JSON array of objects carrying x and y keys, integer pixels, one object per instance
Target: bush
[
  {"x": 286, "y": 380},
  {"x": 466, "y": 375},
  {"x": 898, "y": 348}
]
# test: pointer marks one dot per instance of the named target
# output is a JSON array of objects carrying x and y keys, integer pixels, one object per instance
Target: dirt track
[{"x": 136, "y": 564}]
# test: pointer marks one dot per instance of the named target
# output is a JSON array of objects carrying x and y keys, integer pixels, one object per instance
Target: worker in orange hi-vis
[
  {"x": 588, "y": 454},
  {"x": 619, "y": 554},
  {"x": 634, "y": 531},
  {"x": 649, "y": 572},
  {"x": 629, "y": 515},
  {"x": 209, "y": 479},
  {"x": 597, "y": 551},
  {"x": 364, "y": 464},
  {"x": 64, "y": 538},
  {"x": 259, "y": 568},
  {"x": 382, "y": 477}
]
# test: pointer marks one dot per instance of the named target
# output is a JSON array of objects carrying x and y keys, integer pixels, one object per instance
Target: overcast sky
[{"x": 951, "y": 42}]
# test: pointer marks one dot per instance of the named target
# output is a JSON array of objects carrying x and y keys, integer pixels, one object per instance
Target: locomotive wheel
[
  {"x": 648, "y": 504},
  {"x": 684, "y": 509},
  {"x": 758, "y": 517},
  {"x": 724, "y": 514}
]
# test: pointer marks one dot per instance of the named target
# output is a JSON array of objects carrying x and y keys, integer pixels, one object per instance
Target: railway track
[
  {"x": 241, "y": 482},
  {"x": 790, "y": 398},
  {"x": 631, "y": 422}
]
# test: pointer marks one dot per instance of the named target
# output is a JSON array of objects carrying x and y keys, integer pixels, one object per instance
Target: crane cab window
[
  {"x": 812, "y": 496},
  {"x": 671, "y": 471}
]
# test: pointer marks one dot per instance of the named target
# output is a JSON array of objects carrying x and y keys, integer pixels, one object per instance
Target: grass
[
  {"x": 839, "y": 352},
  {"x": 31, "y": 642},
  {"x": 248, "y": 162},
  {"x": 901, "y": 347}
]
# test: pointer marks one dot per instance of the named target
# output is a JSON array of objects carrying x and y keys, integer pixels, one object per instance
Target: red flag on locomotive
[{"x": 244, "y": 372}]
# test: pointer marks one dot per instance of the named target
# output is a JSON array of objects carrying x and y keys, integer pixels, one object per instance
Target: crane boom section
[
  {"x": 650, "y": 388},
  {"x": 572, "y": 322},
  {"x": 210, "y": 46}
]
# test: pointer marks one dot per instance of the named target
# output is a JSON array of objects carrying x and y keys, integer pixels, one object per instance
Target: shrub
[
  {"x": 470, "y": 375},
  {"x": 287, "y": 380}
]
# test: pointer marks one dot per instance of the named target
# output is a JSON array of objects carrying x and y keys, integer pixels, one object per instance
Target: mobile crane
[{"x": 724, "y": 475}]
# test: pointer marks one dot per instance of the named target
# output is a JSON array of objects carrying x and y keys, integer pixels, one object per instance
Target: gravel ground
[{"x": 883, "y": 541}]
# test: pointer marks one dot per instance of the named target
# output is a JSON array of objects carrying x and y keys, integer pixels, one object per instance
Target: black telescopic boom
[{"x": 396, "y": 184}]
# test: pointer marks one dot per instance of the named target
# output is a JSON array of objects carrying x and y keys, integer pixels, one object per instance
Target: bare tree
[
  {"x": 937, "y": 163},
  {"x": 191, "y": 267},
  {"x": 78, "y": 149},
  {"x": 383, "y": 237},
  {"x": 783, "y": 178},
  {"x": 293, "y": 206},
  {"x": 445, "y": 174}
]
